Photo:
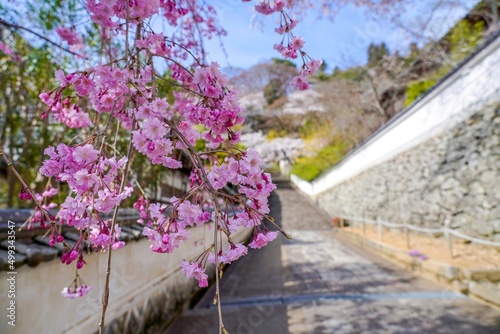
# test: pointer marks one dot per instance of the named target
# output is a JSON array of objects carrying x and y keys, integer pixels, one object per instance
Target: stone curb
[{"x": 483, "y": 284}]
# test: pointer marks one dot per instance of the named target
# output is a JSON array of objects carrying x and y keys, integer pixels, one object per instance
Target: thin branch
[
  {"x": 197, "y": 163},
  {"x": 18, "y": 27},
  {"x": 105, "y": 296},
  {"x": 26, "y": 186}
]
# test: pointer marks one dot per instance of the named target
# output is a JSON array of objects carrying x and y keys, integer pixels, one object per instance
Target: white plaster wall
[
  {"x": 136, "y": 274},
  {"x": 451, "y": 102}
]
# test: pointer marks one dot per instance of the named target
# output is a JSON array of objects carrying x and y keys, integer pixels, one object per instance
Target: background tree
[
  {"x": 376, "y": 54},
  {"x": 23, "y": 132}
]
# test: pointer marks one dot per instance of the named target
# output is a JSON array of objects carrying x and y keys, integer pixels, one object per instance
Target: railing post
[
  {"x": 448, "y": 237},
  {"x": 379, "y": 230},
  {"x": 407, "y": 233}
]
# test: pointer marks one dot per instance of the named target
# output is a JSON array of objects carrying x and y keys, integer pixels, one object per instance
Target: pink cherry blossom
[
  {"x": 153, "y": 128},
  {"x": 251, "y": 162},
  {"x": 264, "y": 8},
  {"x": 194, "y": 270},
  {"x": 85, "y": 181},
  {"x": 160, "y": 106},
  {"x": 69, "y": 257},
  {"x": 50, "y": 168},
  {"x": 121, "y": 88},
  {"x": 85, "y": 154},
  {"x": 76, "y": 292},
  {"x": 70, "y": 36},
  {"x": 83, "y": 85},
  {"x": 190, "y": 214},
  {"x": 234, "y": 252},
  {"x": 189, "y": 132},
  {"x": 51, "y": 192},
  {"x": 281, "y": 29},
  {"x": 297, "y": 43},
  {"x": 299, "y": 82},
  {"x": 279, "y": 5},
  {"x": 261, "y": 239},
  {"x": 106, "y": 200},
  {"x": 24, "y": 195},
  {"x": 165, "y": 243},
  {"x": 74, "y": 117},
  {"x": 6, "y": 49}
]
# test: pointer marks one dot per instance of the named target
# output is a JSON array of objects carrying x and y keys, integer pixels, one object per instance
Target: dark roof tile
[
  {"x": 136, "y": 233},
  {"x": 33, "y": 255},
  {"x": 39, "y": 239}
]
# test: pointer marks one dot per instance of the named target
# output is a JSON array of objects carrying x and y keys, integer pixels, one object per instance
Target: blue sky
[{"x": 342, "y": 43}]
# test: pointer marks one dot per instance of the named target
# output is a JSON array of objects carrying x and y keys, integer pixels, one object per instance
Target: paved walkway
[{"x": 319, "y": 283}]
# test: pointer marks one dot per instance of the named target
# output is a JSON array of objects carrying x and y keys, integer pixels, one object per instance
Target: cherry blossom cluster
[
  {"x": 76, "y": 292},
  {"x": 168, "y": 225},
  {"x": 40, "y": 213},
  {"x": 7, "y": 50},
  {"x": 70, "y": 36},
  {"x": 216, "y": 108},
  {"x": 228, "y": 186},
  {"x": 195, "y": 270},
  {"x": 290, "y": 47},
  {"x": 77, "y": 289},
  {"x": 94, "y": 183},
  {"x": 191, "y": 16}
]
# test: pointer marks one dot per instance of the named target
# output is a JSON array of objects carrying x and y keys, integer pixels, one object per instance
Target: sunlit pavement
[{"x": 318, "y": 283}]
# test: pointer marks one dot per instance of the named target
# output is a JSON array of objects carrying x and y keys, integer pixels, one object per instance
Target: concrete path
[{"x": 319, "y": 283}]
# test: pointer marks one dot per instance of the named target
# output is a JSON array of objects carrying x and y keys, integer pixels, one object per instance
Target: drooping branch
[{"x": 18, "y": 27}]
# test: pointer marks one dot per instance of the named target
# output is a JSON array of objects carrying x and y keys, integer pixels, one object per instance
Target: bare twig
[
  {"x": 18, "y": 27},
  {"x": 105, "y": 296},
  {"x": 25, "y": 185}
]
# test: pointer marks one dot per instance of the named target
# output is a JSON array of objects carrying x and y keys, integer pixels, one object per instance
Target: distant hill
[{"x": 345, "y": 106}]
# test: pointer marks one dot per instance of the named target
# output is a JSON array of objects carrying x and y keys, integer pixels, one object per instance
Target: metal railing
[{"x": 446, "y": 231}]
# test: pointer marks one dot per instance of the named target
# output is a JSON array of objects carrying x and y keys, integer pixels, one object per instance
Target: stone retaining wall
[
  {"x": 452, "y": 178},
  {"x": 435, "y": 163}
]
